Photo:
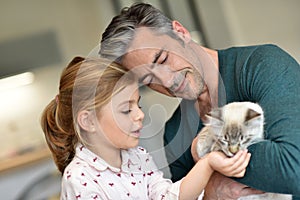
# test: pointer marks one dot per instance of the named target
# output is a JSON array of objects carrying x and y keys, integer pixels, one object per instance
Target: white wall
[
  {"x": 79, "y": 25},
  {"x": 243, "y": 22}
]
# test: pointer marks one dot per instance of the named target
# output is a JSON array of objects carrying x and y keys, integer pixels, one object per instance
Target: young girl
[{"x": 92, "y": 128}]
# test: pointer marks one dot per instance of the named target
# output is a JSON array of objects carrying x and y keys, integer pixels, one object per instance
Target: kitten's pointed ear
[
  {"x": 215, "y": 117},
  {"x": 253, "y": 117},
  {"x": 251, "y": 114}
]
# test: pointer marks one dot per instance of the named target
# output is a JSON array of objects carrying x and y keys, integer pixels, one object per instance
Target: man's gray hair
[{"x": 120, "y": 32}]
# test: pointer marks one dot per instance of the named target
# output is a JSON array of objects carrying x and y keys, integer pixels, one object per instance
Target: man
[{"x": 162, "y": 54}]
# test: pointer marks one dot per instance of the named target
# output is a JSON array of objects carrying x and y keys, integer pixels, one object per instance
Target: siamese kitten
[{"x": 231, "y": 128}]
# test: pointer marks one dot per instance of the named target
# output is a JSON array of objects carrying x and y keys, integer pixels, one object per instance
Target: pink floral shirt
[{"x": 90, "y": 177}]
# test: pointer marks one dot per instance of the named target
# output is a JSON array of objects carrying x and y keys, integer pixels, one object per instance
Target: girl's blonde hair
[{"x": 85, "y": 84}]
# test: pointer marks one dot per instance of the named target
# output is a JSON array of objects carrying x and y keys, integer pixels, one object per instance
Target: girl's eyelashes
[
  {"x": 132, "y": 105},
  {"x": 126, "y": 112}
]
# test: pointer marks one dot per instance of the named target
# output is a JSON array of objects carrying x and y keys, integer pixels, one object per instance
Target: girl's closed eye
[
  {"x": 126, "y": 112},
  {"x": 130, "y": 110},
  {"x": 130, "y": 106}
]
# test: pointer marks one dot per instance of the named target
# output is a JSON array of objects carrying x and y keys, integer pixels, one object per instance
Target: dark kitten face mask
[
  {"x": 231, "y": 128},
  {"x": 232, "y": 135}
]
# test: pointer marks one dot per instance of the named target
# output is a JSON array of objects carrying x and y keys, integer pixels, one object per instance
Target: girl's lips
[{"x": 136, "y": 133}]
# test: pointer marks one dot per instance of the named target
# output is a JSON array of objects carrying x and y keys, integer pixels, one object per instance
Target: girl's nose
[{"x": 140, "y": 115}]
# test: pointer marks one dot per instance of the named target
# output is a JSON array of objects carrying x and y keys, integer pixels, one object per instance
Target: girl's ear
[
  {"x": 85, "y": 121},
  {"x": 181, "y": 31}
]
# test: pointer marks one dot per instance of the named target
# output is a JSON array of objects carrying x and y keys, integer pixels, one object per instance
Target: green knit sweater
[{"x": 269, "y": 76}]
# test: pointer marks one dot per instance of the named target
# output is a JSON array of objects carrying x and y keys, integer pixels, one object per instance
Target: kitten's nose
[{"x": 234, "y": 148}]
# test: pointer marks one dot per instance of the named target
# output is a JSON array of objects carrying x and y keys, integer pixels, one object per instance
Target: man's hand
[{"x": 220, "y": 187}]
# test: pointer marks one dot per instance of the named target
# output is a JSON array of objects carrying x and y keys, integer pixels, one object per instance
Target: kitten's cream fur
[{"x": 231, "y": 128}]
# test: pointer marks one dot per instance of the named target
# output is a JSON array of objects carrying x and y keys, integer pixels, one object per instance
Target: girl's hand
[{"x": 232, "y": 167}]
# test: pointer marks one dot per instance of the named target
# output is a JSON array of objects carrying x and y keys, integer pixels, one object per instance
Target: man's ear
[
  {"x": 85, "y": 120},
  {"x": 181, "y": 31}
]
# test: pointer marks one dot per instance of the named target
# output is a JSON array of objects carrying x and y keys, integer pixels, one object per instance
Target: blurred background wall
[{"x": 41, "y": 37}]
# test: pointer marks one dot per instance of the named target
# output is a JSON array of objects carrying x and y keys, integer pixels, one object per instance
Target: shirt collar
[{"x": 134, "y": 160}]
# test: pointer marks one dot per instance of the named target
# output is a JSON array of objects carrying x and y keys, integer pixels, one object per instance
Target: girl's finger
[
  {"x": 237, "y": 160},
  {"x": 243, "y": 161},
  {"x": 240, "y": 174},
  {"x": 241, "y": 168}
]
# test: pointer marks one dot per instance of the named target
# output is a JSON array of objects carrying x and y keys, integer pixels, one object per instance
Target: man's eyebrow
[{"x": 157, "y": 55}]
